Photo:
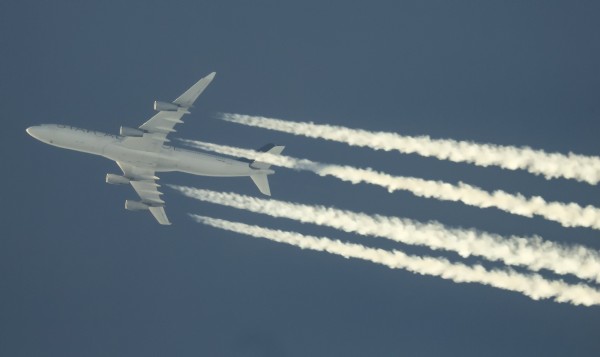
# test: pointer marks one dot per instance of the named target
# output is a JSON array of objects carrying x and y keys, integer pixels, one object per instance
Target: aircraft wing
[
  {"x": 143, "y": 181},
  {"x": 162, "y": 123}
]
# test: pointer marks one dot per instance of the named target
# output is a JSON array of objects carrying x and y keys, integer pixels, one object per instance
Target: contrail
[
  {"x": 566, "y": 214},
  {"x": 532, "y": 253},
  {"x": 532, "y": 285},
  {"x": 538, "y": 162}
]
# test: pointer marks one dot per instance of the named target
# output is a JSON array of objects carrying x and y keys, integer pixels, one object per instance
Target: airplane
[{"x": 141, "y": 152}]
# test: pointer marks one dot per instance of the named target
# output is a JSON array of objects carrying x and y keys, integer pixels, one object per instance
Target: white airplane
[{"x": 141, "y": 153}]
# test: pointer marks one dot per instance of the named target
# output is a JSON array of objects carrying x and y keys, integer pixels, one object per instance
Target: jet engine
[
  {"x": 116, "y": 179},
  {"x": 167, "y": 107},
  {"x": 125, "y": 131},
  {"x": 135, "y": 205}
]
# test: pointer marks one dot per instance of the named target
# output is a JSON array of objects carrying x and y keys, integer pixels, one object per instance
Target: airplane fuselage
[{"x": 162, "y": 158}]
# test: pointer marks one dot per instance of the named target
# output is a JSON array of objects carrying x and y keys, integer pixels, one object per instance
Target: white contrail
[
  {"x": 532, "y": 285},
  {"x": 532, "y": 253},
  {"x": 567, "y": 214},
  {"x": 538, "y": 162}
]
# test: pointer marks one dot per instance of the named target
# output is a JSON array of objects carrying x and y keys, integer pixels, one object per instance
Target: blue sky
[{"x": 81, "y": 276}]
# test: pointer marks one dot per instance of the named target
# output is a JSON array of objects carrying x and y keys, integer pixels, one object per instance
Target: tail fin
[{"x": 260, "y": 179}]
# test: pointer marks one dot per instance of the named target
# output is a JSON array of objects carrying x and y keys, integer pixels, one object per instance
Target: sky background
[{"x": 80, "y": 276}]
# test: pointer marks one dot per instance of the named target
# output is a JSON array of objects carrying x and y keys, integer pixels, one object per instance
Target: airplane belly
[
  {"x": 208, "y": 165},
  {"x": 157, "y": 160},
  {"x": 76, "y": 139}
]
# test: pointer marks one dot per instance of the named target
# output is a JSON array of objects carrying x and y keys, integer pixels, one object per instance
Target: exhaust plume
[
  {"x": 538, "y": 162},
  {"x": 532, "y": 253},
  {"x": 566, "y": 214},
  {"x": 532, "y": 285}
]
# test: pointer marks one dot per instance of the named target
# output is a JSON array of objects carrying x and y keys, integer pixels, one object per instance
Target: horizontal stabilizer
[
  {"x": 271, "y": 149},
  {"x": 262, "y": 182}
]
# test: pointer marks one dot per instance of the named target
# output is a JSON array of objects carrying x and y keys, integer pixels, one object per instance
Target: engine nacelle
[
  {"x": 125, "y": 131},
  {"x": 135, "y": 205},
  {"x": 116, "y": 179},
  {"x": 167, "y": 107}
]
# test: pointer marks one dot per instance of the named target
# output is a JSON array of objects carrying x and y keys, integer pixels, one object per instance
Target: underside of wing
[
  {"x": 154, "y": 132},
  {"x": 150, "y": 137},
  {"x": 160, "y": 215},
  {"x": 143, "y": 181},
  {"x": 148, "y": 191},
  {"x": 161, "y": 124},
  {"x": 188, "y": 98}
]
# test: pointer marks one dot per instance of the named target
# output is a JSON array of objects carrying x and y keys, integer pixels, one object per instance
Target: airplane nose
[
  {"x": 34, "y": 131},
  {"x": 31, "y": 131}
]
